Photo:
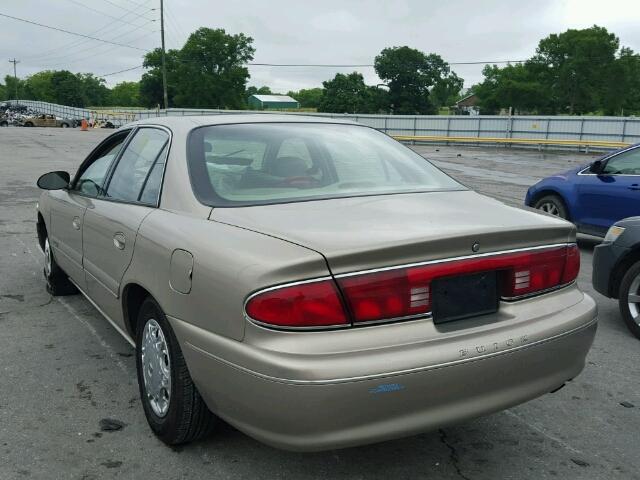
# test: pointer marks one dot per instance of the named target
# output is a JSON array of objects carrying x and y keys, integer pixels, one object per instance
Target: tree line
[{"x": 575, "y": 72}]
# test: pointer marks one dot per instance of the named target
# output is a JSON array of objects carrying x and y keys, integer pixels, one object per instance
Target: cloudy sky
[{"x": 302, "y": 31}]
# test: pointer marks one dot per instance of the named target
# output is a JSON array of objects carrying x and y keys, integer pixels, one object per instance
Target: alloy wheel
[
  {"x": 633, "y": 299},
  {"x": 550, "y": 207}
]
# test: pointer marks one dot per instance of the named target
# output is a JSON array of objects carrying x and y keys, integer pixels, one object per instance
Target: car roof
[{"x": 194, "y": 121}]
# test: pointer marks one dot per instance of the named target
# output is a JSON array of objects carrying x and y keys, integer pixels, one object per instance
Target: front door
[
  {"x": 68, "y": 207},
  {"x": 612, "y": 195},
  {"x": 67, "y": 214},
  {"x": 111, "y": 223}
]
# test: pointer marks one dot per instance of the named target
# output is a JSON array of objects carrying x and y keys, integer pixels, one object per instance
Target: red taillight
[
  {"x": 572, "y": 265},
  {"x": 315, "y": 304},
  {"x": 405, "y": 292}
]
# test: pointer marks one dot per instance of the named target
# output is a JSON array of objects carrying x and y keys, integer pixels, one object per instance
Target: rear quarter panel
[{"x": 229, "y": 263}]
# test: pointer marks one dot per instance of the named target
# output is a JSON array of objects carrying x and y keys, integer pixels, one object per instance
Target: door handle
[
  {"x": 119, "y": 241},
  {"x": 634, "y": 186},
  {"x": 76, "y": 223}
]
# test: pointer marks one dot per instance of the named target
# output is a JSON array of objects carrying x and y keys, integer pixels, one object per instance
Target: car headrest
[{"x": 289, "y": 167}]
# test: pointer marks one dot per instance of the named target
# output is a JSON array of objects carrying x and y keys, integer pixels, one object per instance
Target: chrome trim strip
[
  {"x": 392, "y": 373},
  {"x": 97, "y": 280},
  {"x": 417, "y": 316},
  {"x": 453, "y": 259},
  {"x": 113, "y": 324},
  {"x": 284, "y": 328},
  {"x": 606, "y": 159},
  {"x": 537, "y": 292}
]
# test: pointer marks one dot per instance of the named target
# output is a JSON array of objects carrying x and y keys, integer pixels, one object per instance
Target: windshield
[{"x": 261, "y": 163}]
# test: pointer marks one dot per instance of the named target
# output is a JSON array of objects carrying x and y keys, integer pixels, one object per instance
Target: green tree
[
  {"x": 349, "y": 94},
  {"x": 622, "y": 91},
  {"x": 93, "y": 90},
  {"x": 410, "y": 74},
  {"x": 67, "y": 88},
  {"x": 575, "y": 66},
  {"x": 212, "y": 69},
  {"x": 10, "y": 86},
  {"x": 308, "y": 97},
  {"x": 151, "y": 94},
  {"x": 258, "y": 91},
  {"x": 125, "y": 94},
  {"x": 40, "y": 87},
  {"x": 447, "y": 90},
  {"x": 512, "y": 86}
]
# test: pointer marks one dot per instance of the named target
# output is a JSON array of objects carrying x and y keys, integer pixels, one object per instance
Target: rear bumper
[{"x": 326, "y": 413}]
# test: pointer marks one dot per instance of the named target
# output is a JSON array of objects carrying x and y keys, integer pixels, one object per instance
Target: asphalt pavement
[{"x": 66, "y": 373}]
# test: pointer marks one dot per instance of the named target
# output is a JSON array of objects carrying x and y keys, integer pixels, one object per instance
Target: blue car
[{"x": 593, "y": 196}]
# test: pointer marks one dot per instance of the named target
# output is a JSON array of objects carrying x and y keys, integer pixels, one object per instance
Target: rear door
[
  {"x": 68, "y": 206},
  {"x": 612, "y": 195},
  {"x": 111, "y": 223}
]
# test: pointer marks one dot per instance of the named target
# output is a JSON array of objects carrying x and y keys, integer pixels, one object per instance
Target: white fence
[{"x": 617, "y": 129}]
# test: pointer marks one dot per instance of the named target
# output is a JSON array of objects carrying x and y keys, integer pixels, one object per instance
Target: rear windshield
[{"x": 262, "y": 163}]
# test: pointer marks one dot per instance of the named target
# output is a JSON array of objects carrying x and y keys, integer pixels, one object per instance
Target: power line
[
  {"x": 127, "y": 10},
  {"x": 71, "y": 33},
  {"x": 118, "y": 19},
  {"x": 120, "y": 71},
  {"x": 76, "y": 43},
  {"x": 92, "y": 55},
  {"x": 56, "y": 59},
  {"x": 366, "y": 65}
]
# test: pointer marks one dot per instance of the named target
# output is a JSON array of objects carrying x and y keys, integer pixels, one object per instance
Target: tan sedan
[
  {"x": 312, "y": 282},
  {"x": 46, "y": 121}
]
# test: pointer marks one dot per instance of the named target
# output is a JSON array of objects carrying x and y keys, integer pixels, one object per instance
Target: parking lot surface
[{"x": 64, "y": 368}]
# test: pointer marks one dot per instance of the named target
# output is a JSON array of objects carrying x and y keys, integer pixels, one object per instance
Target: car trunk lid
[{"x": 362, "y": 233}]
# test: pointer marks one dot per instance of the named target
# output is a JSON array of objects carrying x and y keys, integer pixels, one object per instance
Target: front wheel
[
  {"x": 553, "y": 205},
  {"x": 172, "y": 404},
  {"x": 629, "y": 299}
]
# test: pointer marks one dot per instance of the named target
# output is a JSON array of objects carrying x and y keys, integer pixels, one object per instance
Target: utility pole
[
  {"x": 164, "y": 65},
  {"x": 15, "y": 77}
]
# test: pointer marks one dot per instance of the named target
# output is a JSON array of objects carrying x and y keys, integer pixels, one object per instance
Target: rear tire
[
  {"x": 28, "y": 124},
  {"x": 58, "y": 282},
  {"x": 629, "y": 299},
  {"x": 64, "y": 125},
  {"x": 4, "y": 124},
  {"x": 553, "y": 205},
  {"x": 172, "y": 404}
]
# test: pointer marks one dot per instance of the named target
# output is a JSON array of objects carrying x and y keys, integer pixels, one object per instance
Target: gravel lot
[{"x": 64, "y": 368}]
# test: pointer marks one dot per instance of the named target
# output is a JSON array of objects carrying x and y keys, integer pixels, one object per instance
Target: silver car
[{"x": 312, "y": 282}]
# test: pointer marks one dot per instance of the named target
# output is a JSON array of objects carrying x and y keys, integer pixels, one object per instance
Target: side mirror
[
  {"x": 596, "y": 167},
  {"x": 54, "y": 180}
]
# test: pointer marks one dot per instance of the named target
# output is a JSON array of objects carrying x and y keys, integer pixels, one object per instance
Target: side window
[
  {"x": 91, "y": 180},
  {"x": 627, "y": 163},
  {"x": 136, "y": 164}
]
